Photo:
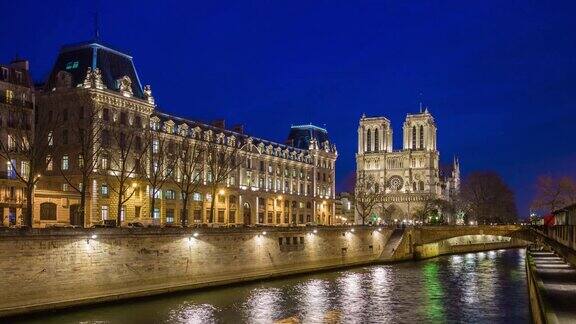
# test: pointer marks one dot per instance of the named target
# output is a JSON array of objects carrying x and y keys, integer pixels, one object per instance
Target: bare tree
[
  {"x": 366, "y": 195},
  {"x": 33, "y": 145},
  {"x": 188, "y": 173},
  {"x": 222, "y": 158},
  {"x": 553, "y": 193},
  {"x": 86, "y": 129},
  {"x": 161, "y": 162},
  {"x": 488, "y": 199},
  {"x": 130, "y": 145},
  {"x": 429, "y": 205}
]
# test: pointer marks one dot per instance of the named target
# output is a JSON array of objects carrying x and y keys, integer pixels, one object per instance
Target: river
[{"x": 484, "y": 287}]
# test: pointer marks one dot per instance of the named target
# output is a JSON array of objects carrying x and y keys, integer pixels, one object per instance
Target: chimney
[
  {"x": 220, "y": 123},
  {"x": 238, "y": 128},
  {"x": 20, "y": 64}
]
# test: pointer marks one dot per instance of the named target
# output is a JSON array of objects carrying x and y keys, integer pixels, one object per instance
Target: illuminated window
[
  {"x": 104, "y": 212},
  {"x": 72, "y": 65},
  {"x": 48, "y": 163},
  {"x": 65, "y": 162},
  {"x": 104, "y": 189}
]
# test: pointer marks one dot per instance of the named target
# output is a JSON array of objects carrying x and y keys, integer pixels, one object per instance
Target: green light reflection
[{"x": 434, "y": 294}]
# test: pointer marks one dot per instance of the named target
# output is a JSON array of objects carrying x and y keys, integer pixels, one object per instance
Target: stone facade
[
  {"x": 406, "y": 177},
  {"x": 274, "y": 183},
  {"x": 16, "y": 124}
]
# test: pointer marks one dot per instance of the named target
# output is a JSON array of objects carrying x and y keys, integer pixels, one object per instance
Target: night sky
[{"x": 499, "y": 76}]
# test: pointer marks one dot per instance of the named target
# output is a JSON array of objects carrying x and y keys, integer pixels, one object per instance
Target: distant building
[
  {"x": 345, "y": 209},
  {"x": 16, "y": 124},
  {"x": 410, "y": 176},
  {"x": 277, "y": 184}
]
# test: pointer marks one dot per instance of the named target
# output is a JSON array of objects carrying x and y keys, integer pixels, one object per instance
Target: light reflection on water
[{"x": 486, "y": 287}]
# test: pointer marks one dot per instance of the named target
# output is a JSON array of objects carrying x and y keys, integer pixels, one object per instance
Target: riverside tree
[
  {"x": 488, "y": 199},
  {"x": 33, "y": 145},
  {"x": 84, "y": 132},
  {"x": 553, "y": 193},
  {"x": 188, "y": 172}
]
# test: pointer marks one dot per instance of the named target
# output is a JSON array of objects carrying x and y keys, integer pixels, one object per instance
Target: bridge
[{"x": 434, "y": 234}]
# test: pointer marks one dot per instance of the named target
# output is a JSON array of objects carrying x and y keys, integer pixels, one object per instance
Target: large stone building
[
  {"x": 16, "y": 116},
  {"x": 406, "y": 178},
  {"x": 110, "y": 139}
]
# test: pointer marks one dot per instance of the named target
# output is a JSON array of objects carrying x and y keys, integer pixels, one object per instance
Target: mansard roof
[
  {"x": 301, "y": 135},
  {"x": 113, "y": 64},
  {"x": 25, "y": 81},
  {"x": 277, "y": 148}
]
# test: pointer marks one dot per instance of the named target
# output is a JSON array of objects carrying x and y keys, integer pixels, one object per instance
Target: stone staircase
[{"x": 392, "y": 245}]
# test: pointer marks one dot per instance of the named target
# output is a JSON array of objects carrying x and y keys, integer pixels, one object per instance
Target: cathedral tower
[
  {"x": 420, "y": 132},
  {"x": 374, "y": 135}
]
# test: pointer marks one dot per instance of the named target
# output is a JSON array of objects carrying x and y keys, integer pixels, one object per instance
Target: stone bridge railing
[{"x": 431, "y": 234}]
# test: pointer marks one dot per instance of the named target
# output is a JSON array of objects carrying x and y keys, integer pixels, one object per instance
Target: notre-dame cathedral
[{"x": 407, "y": 177}]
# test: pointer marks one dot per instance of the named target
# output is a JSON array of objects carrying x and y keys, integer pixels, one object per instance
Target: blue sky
[{"x": 498, "y": 76}]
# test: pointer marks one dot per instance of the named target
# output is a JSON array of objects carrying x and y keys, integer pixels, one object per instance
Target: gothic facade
[{"x": 408, "y": 177}]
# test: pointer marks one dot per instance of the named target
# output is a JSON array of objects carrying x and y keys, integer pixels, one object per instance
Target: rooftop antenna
[
  {"x": 420, "y": 97},
  {"x": 96, "y": 27}
]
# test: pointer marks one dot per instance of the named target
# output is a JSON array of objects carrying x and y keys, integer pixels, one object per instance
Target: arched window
[
  {"x": 413, "y": 186},
  {"x": 376, "y": 140},
  {"x": 421, "y": 137},
  {"x": 48, "y": 211},
  {"x": 368, "y": 140},
  {"x": 376, "y": 188},
  {"x": 421, "y": 185},
  {"x": 413, "y": 137}
]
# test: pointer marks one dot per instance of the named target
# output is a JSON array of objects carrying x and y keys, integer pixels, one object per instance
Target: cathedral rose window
[{"x": 395, "y": 183}]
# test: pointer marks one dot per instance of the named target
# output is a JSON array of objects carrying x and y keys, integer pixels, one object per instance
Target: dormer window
[
  {"x": 4, "y": 73},
  {"x": 72, "y": 65},
  {"x": 18, "y": 77}
]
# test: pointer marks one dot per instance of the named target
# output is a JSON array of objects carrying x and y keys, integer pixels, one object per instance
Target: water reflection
[
  {"x": 313, "y": 300},
  {"x": 469, "y": 288},
  {"x": 192, "y": 313},
  {"x": 263, "y": 305}
]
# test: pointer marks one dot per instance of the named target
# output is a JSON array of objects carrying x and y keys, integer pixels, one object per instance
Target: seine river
[{"x": 485, "y": 287}]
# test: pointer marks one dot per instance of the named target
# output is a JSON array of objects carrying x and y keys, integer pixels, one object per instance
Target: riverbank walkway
[{"x": 555, "y": 283}]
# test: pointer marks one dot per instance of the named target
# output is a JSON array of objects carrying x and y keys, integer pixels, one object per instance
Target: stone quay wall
[
  {"x": 57, "y": 268},
  {"x": 43, "y": 269}
]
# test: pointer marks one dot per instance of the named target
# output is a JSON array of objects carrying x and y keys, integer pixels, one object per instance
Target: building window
[
  {"x": 137, "y": 211},
  {"x": 49, "y": 163},
  {"x": 221, "y": 199},
  {"x": 4, "y": 73},
  {"x": 25, "y": 169},
  {"x": 170, "y": 216},
  {"x": 65, "y": 162},
  {"x": 64, "y": 187},
  {"x": 232, "y": 216},
  {"x": 123, "y": 118},
  {"x": 104, "y": 212},
  {"x": 155, "y": 146},
  {"x": 170, "y": 194},
  {"x": 47, "y": 211},
  {"x": 421, "y": 185},
  {"x": 376, "y": 140},
  {"x": 80, "y": 161},
  {"x": 421, "y": 137},
  {"x": 106, "y": 114},
  {"x": 104, "y": 163},
  {"x": 220, "y": 215},
  {"x": 104, "y": 190},
  {"x": 65, "y": 136},
  {"x": 156, "y": 214},
  {"x": 50, "y": 138},
  {"x": 368, "y": 140},
  {"x": 197, "y": 196},
  {"x": 232, "y": 199},
  {"x": 413, "y": 137}
]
